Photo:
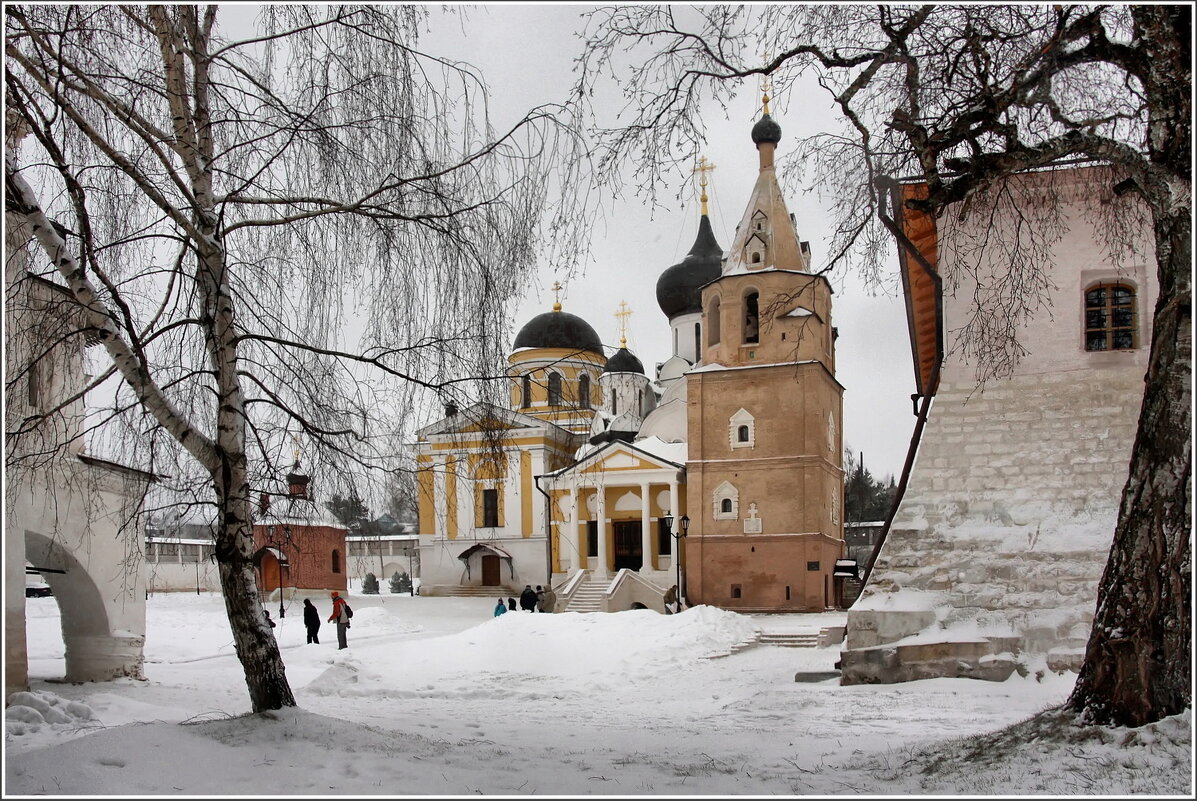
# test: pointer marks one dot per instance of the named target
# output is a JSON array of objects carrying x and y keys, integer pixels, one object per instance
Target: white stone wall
[{"x": 1005, "y": 528}]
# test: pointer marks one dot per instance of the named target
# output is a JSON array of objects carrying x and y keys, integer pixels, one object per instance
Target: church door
[
  {"x": 490, "y": 570},
  {"x": 629, "y": 552}
]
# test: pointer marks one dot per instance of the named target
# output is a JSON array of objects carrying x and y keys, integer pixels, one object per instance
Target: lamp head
[{"x": 685, "y": 523}]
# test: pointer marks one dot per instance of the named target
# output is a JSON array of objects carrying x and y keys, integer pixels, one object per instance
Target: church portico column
[
  {"x": 673, "y": 510},
  {"x": 570, "y": 525},
  {"x": 646, "y": 535},
  {"x": 600, "y": 505}
]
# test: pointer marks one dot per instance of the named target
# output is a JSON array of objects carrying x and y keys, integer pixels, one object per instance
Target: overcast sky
[{"x": 526, "y": 53}]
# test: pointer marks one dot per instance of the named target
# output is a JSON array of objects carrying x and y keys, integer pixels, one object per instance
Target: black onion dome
[
  {"x": 558, "y": 329},
  {"x": 679, "y": 289},
  {"x": 623, "y": 361},
  {"x": 766, "y": 130}
]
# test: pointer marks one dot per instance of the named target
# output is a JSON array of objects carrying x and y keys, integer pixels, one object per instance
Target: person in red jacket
[{"x": 341, "y": 618}]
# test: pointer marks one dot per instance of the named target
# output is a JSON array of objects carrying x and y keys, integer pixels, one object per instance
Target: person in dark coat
[
  {"x": 511, "y": 604},
  {"x": 539, "y": 598},
  {"x": 528, "y": 599},
  {"x": 311, "y": 619}
]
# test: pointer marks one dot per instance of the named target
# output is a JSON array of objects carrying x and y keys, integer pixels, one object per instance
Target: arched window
[
  {"x": 713, "y": 323},
  {"x": 640, "y": 401},
  {"x": 726, "y": 501},
  {"x": 336, "y": 561},
  {"x": 741, "y": 431},
  {"x": 526, "y": 391},
  {"x": 751, "y": 318},
  {"x": 584, "y": 391},
  {"x": 756, "y": 257},
  {"x": 1110, "y": 317},
  {"x": 614, "y": 401},
  {"x": 554, "y": 389},
  {"x": 697, "y": 341}
]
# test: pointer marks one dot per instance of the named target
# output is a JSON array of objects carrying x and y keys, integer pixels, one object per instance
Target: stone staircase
[
  {"x": 790, "y": 639},
  {"x": 588, "y": 597},
  {"x": 469, "y": 591}
]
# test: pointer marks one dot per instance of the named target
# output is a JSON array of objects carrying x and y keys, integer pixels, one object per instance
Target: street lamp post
[
  {"x": 411, "y": 578},
  {"x": 678, "y": 536}
]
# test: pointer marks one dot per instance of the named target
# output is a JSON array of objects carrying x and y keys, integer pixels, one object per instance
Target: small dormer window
[{"x": 756, "y": 257}]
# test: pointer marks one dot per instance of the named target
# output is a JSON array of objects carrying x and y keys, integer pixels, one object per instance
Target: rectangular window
[
  {"x": 787, "y": 592},
  {"x": 735, "y": 590},
  {"x": 149, "y": 551},
  {"x": 490, "y": 508},
  {"x": 168, "y": 551},
  {"x": 592, "y": 538},
  {"x": 191, "y": 553},
  {"x": 664, "y": 539},
  {"x": 812, "y": 566}
]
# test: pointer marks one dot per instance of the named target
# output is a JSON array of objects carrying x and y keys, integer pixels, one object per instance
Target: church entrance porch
[{"x": 629, "y": 552}]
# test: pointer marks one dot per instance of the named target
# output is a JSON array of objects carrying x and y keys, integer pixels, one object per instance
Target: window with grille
[{"x": 1110, "y": 317}]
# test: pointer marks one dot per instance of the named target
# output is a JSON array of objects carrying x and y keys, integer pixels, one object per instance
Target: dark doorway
[
  {"x": 490, "y": 570},
  {"x": 629, "y": 551}
]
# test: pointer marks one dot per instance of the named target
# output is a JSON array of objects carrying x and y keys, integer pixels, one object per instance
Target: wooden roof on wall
[{"x": 921, "y": 287}]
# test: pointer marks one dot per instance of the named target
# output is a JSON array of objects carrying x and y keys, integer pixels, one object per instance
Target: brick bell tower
[{"x": 764, "y": 417}]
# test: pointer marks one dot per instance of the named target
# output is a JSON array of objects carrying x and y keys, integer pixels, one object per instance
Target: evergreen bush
[{"x": 370, "y": 584}]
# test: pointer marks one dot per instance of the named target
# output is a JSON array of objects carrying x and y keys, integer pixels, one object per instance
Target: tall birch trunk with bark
[{"x": 1138, "y": 662}]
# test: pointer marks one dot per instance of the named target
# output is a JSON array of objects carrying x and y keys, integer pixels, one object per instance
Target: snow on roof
[
  {"x": 713, "y": 366},
  {"x": 675, "y": 452}
]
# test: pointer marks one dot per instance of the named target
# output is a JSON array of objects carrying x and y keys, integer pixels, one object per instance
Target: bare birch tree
[
  {"x": 308, "y": 231},
  {"x": 963, "y": 97}
]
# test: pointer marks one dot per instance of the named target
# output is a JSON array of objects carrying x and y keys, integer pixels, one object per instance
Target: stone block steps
[
  {"x": 588, "y": 597},
  {"x": 790, "y": 639},
  {"x": 457, "y": 591}
]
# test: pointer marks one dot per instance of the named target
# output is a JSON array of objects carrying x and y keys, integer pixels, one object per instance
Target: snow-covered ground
[{"x": 434, "y": 696}]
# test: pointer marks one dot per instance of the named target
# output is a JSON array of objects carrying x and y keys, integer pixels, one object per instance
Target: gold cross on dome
[
  {"x": 766, "y": 83},
  {"x": 702, "y": 169},
  {"x": 556, "y": 287},
  {"x": 623, "y": 314}
]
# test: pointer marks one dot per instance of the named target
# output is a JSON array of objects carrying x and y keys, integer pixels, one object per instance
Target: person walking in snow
[
  {"x": 528, "y": 599},
  {"x": 311, "y": 619},
  {"x": 510, "y": 604},
  {"x": 539, "y": 598},
  {"x": 501, "y": 608},
  {"x": 550, "y": 600},
  {"x": 341, "y": 617}
]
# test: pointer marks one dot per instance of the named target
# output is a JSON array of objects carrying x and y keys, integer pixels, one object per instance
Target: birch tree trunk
[{"x": 1138, "y": 662}]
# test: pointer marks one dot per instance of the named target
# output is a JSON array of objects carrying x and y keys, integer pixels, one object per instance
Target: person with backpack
[
  {"x": 311, "y": 620},
  {"x": 341, "y": 614}
]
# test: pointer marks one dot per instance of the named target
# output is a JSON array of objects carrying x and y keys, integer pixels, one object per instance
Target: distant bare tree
[
  {"x": 963, "y": 98},
  {"x": 309, "y": 231}
]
